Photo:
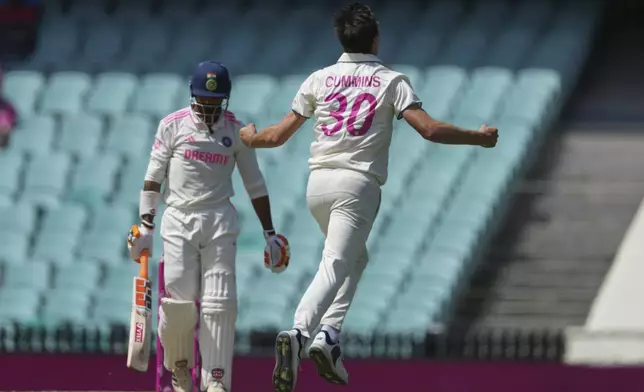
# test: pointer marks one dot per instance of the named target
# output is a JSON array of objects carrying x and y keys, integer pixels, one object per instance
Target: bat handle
[{"x": 143, "y": 264}]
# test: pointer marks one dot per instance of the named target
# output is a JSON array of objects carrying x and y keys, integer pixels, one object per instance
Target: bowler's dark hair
[{"x": 356, "y": 27}]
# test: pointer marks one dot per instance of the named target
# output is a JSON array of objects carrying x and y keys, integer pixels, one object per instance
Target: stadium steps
[{"x": 566, "y": 223}]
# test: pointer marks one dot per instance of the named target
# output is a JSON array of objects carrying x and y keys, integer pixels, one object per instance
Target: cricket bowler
[
  {"x": 354, "y": 102},
  {"x": 194, "y": 154}
]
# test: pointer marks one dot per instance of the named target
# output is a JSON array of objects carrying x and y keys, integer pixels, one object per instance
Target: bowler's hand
[
  {"x": 247, "y": 133},
  {"x": 490, "y": 136}
]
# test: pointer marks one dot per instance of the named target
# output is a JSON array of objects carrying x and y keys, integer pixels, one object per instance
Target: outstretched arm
[
  {"x": 273, "y": 135},
  {"x": 445, "y": 133}
]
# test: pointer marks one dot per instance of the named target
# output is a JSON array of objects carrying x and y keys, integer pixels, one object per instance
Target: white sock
[{"x": 334, "y": 334}]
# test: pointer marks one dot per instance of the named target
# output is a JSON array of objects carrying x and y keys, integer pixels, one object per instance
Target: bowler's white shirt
[
  {"x": 354, "y": 102},
  {"x": 196, "y": 165}
]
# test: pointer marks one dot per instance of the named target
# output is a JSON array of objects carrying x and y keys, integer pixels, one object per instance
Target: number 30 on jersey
[{"x": 342, "y": 114}]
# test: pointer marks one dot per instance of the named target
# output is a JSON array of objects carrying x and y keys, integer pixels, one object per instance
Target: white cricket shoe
[
  {"x": 327, "y": 357},
  {"x": 216, "y": 386},
  {"x": 288, "y": 347},
  {"x": 181, "y": 378}
]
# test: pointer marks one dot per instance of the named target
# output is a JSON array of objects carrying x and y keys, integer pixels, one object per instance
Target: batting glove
[
  {"x": 140, "y": 238},
  {"x": 277, "y": 254}
]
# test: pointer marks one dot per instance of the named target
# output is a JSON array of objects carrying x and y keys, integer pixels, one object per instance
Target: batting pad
[
  {"x": 217, "y": 329},
  {"x": 176, "y": 331}
]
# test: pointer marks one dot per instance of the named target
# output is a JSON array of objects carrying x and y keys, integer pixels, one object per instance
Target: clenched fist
[
  {"x": 490, "y": 136},
  {"x": 140, "y": 238},
  {"x": 246, "y": 133}
]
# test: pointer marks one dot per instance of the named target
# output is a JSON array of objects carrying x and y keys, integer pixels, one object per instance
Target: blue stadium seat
[
  {"x": 65, "y": 93},
  {"x": 187, "y": 51},
  {"x": 441, "y": 15},
  {"x": 540, "y": 80},
  {"x": 532, "y": 13},
  {"x": 34, "y": 135},
  {"x": 58, "y": 238},
  {"x": 414, "y": 74},
  {"x": 284, "y": 94},
  {"x": 94, "y": 180},
  {"x": 511, "y": 47},
  {"x": 130, "y": 13},
  {"x": 157, "y": 94},
  {"x": 11, "y": 168},
  {"x": 251, "y": 93},
  {"x": 112, "y": 93},
  {"x": 81, "y": 134},
  {"x": 46, "y": 179},
  {"x": 22, "y": 89},
  {"x": 183, "y": 12},
  {"x": 118, "y": 276},
  {"x": 89, "y": 12},
  {"x": 19, "y": 304},
  {"x": 466, "y": 47},
  {"x": 66, "y": 305}
]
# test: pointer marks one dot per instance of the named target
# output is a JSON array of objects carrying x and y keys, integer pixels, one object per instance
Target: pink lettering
[
  {"x": 195, "y": 155},
  {"x": 207, "y": 157},
  {"x": 187, "y": 154},
  {"x": 352, "y": 81}
]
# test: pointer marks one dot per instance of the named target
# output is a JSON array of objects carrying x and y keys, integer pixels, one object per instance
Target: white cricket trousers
[
  {"x": 345, "y": 204},
  {"x": 199, "y": 250}
]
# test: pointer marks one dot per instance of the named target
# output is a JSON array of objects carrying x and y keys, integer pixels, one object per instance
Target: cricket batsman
[
  {"x": 354, "y": 102},
  {"x": 194, "y": 154}
]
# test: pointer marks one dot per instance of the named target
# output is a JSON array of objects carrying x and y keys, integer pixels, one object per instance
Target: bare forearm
[
  {"x": 270, "y": 136},
  {"x": 262, "y": 207},
  {"x": 150, "y": 186},
  {"x": 445, "y": 133}
]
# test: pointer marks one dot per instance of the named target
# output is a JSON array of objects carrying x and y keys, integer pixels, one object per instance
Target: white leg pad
[
  {"x": 217, "y": 329},
  {"x": 177, "y": 320}
]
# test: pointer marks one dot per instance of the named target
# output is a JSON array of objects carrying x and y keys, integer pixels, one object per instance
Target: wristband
[
  {"x": 148, "y": 203},
  {"x": 268, "y": 233}
]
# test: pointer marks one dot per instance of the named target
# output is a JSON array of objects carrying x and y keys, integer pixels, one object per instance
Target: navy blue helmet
[{"x": 210, "y": 88}]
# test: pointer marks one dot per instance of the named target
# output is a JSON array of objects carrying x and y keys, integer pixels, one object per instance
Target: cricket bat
[{"x": 138, "y": 349}]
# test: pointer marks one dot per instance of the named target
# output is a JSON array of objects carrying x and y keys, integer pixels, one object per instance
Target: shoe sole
[
  {"x": 324, "y": 366},
  {"x": 283, "y": 374}
]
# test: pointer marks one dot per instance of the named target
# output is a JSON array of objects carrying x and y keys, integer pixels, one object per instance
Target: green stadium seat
[
  {"x": 132, "y": 178},
  {"x": 11, "y": 167},
  {"x": 83, "y": 277},
  {"x": 118, "y": 276},
  {"x": 157, "y": 94},
  {"x": 88, "y": 12},
  {"x": 272, "y": 289},
  {"x": 34, "y": 135},
  {"x": 103, "y": 44},
  {"x": 376, "y": 290},
  {"x": 423, "y": 295},
  {"x": 94, "y": 180},
  {"x": 441, "y": 88},
  {"x": 66, "y": 305},
  {"x": 532, "y": 13},
  {"x": 19, "y": 304},
  {"x": 22, "y": 89},
  {"x": 148, "y": 42},
  {"x": 18, "y": 218},
  {"x": 14, "y": 247},
  {"x": 414, "y": 74},
  {"x": 251, "y": 93},
  {"x": 406, "y": 322},
  {"x": 466, "y": 46},
  {"x": 111, "y": 310},
  {"x": 268, "y": 317},
  {"x": 56, "y": 44},
  {"x": 65, "y": 93},
  {"x": 540, "y": 79},
  {"x": 480, "y": 101},
  {"x": 510, "y": 47},
  {"x": 129, "y": 136},
  {"x": 361, "y": 321},
  {"x": 112, "y": 93},
  {"x": 105, "y": 240},
  {"x": 81, "y": 134},
  {"x": 284, "y": 94},
  {"x": 305, "y": 230},
  {"x": 58, "y": 248},
  {"x": 34, "y": 276},
  {"x": 133, "y": 13},
  {"x": 67, "y": 217},
  {"x": 457, "y": 240}
]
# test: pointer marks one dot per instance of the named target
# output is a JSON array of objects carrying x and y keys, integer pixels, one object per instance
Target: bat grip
[{"x": 143, "y": 264}]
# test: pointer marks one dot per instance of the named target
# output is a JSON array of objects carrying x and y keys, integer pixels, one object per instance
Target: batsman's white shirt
[
  {"x": 197, "y": 165},
  {"x": 354, "y": 102}
]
